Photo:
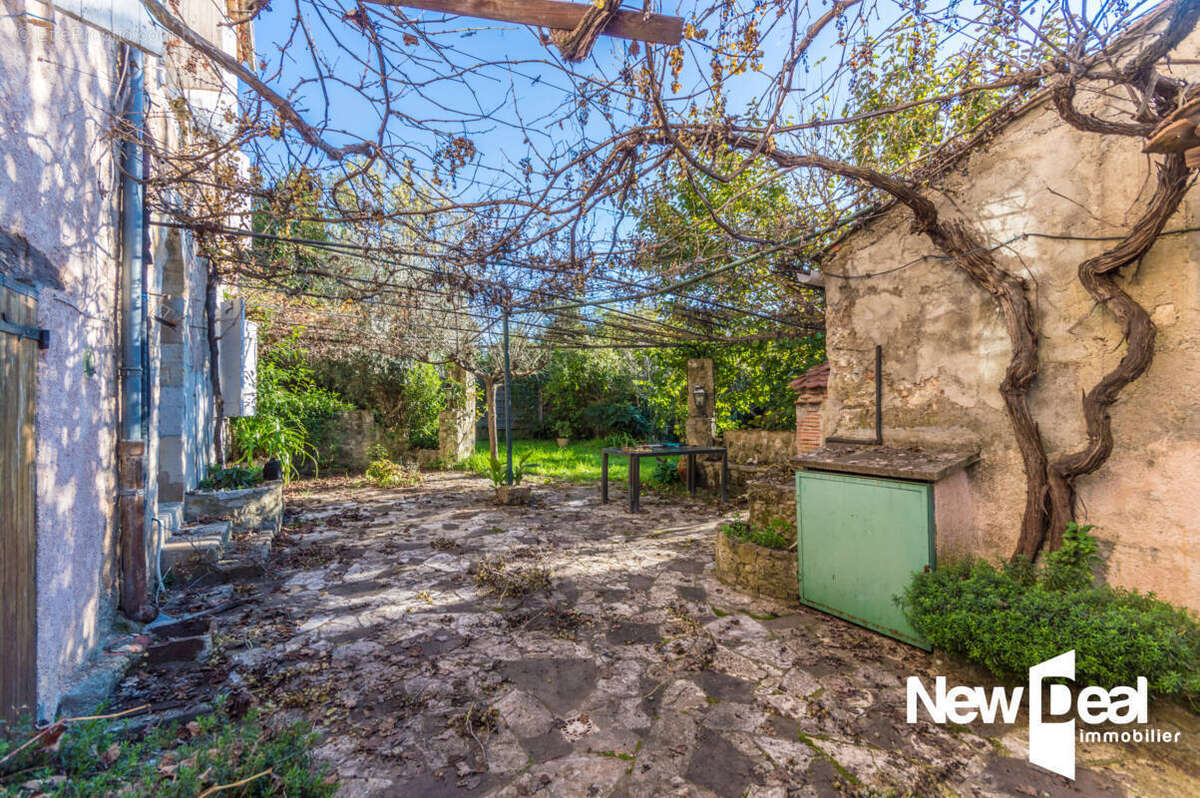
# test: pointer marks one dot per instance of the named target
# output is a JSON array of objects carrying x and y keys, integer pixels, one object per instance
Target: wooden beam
[{"x": 557, "y": 15}]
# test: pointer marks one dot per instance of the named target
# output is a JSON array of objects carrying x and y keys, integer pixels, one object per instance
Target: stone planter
[
  {"x": 562, "y": 442},
  {"x": 757, "y": 569},
  {"x": 773, "y": 504},
  {"x": 247, "y": 510},
  {"x": 512, "y": 495}
]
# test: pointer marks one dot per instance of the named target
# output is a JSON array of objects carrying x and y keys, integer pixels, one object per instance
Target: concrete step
[
  {"x": 171, "y": 515},
  {"x": 200, "y": 542}
]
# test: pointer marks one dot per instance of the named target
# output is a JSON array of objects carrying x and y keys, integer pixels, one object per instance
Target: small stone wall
[
  {"x": 773, "y": 502},
  {"x": 757, "y": 569},
  {"x": 759, "y": 446},
  {"x": 753, "y": 454},
  {"x": 345, "y": 441},
  {"x": 247, "y": 510}
]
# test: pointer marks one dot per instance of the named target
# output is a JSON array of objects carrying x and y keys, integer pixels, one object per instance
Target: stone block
[
  {"x": 512, "y": 495},
  {"x": 757, "y": 569},
  {"x": 247, "y": 510}
]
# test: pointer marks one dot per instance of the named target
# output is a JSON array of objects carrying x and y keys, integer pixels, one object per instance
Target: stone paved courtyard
[{"x": 444, "y": 645}]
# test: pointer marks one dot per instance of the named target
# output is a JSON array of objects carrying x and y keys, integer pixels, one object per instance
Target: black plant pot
[{"x": 272, "y": 470}]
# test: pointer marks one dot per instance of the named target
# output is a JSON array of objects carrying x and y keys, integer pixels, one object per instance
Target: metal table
[{"x": 635, "y": 455}]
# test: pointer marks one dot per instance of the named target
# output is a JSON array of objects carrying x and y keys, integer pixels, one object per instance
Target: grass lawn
[{"x": 576, "y": 462}]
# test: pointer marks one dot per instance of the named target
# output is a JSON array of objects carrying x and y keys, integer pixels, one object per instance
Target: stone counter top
[{"x": 916, "y": 463}]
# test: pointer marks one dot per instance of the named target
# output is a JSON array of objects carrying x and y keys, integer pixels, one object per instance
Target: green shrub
[
  {"x": 772, "y": 536},
  {"x": 231, "y": 478},
  {"x": 424, "y": 398},
  {"x": 620, "y": 440},
  {"x": 91, "y": 759},
  {"x": 665, "y": 471},
  {"x": 290, "y": 414},
  {"x": 383, "y": 472},
  {"x": 562, "y": 429},
  {"x": 1011, "y": 617}
]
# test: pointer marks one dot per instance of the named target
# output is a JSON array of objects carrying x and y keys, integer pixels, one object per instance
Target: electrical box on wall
[{"x": 238, "y": 360}]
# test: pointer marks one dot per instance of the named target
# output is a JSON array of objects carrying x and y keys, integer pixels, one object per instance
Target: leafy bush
[
  {"x": 619, "y": 440},
  {"x": 772, "y": 536},
  {"x": 400, "y": 393},
  {"x": 1070, "y": 568},
  {"x": 665, "y": 471},
  {"x": 562, "y": 429},
  {"x": 91, "y": 759},
  {"x": 424, "y": 399},
  {"x": 1011, "y": 617},
  {"x": 291, "y": 411},
  {"x": 385, "y": 473},
  {"x": 609, "y": 417},
  {"x": 231, "y": 478}
]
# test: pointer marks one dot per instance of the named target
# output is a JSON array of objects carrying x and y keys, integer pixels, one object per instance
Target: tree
[{"x": 536, "y": 188}]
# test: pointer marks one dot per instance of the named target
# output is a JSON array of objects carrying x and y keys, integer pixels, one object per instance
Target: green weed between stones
[
  {"x": 91, "y": 759},
  {"x": 772, "y": 536}
]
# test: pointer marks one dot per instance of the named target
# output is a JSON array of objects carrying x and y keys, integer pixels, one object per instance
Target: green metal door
[{"x": 859, "y": 542}]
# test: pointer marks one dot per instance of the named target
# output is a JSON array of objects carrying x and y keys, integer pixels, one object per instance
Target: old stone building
[
  {"x": 1047, "y": 197},
  {"x": 120, "y": 401}
]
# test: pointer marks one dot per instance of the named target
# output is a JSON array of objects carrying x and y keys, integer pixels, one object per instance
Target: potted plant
[
  {"x": 516, "y": 493},
  {"x": 563, "y": 430}
]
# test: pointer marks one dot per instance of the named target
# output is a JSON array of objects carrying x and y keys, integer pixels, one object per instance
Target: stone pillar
[
  {"x": 456, "y": 424},
  {"x": 701, "y": 422}
]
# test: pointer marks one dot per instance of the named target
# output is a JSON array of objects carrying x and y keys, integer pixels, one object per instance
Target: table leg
[
  {"x": 724, "y": 474},
  {"x": 604, "y": 477}
]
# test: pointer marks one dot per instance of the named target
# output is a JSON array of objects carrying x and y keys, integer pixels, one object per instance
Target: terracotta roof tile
[{"x": 815, "y": 379}]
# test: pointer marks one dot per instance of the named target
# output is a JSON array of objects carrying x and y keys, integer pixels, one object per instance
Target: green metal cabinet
[{"x": 859, "y": 542}]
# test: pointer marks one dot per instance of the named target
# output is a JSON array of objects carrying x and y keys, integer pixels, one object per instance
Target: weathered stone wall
[
  {"x": 945, "y": 347},
  {"x": 456, "y": 424},
  {"x": 57, "y": 203},
  {"x": 757, "y": 569},
  {"x": 758, "y": 446},
  {"x": 248, "y": 510},
  {"x": 773, "y": 504},
  {"x": 345, "y": 441}
]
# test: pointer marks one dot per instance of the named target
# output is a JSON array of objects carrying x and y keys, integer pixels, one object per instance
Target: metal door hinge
[{"x": 24, "y": 331}]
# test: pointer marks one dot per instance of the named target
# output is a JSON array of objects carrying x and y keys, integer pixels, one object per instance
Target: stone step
[
  {"x": 201, "y": 542},
  {"x": 171, "y": 516}
]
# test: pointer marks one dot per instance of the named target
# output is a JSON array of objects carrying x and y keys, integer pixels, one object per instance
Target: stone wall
[
  {"x": 59, "y": 232},
  {"x": 757, "y": 569},
  {"x": 248, "y": 510},
  {"x": 773, "y": 503},
  {"x": 456, "y": 424},
  {"x": 57, "y": 208},
  {"x": 945, "y": 348},
  {"x": 758, "y": 446},
  {"x": 346, "y": 440}
]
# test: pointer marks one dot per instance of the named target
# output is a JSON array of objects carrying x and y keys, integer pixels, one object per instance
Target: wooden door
[{"x": 18, "y": 541}]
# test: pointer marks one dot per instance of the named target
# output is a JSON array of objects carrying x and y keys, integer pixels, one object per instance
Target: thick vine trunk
[
  {"x": 974, "y": 258},
  {"x": 1098, "y": 277},
  {"x": 1020, "y": 322}
]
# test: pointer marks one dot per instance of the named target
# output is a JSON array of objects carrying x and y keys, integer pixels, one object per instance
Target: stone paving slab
[{"x": 628, "y": 670}]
